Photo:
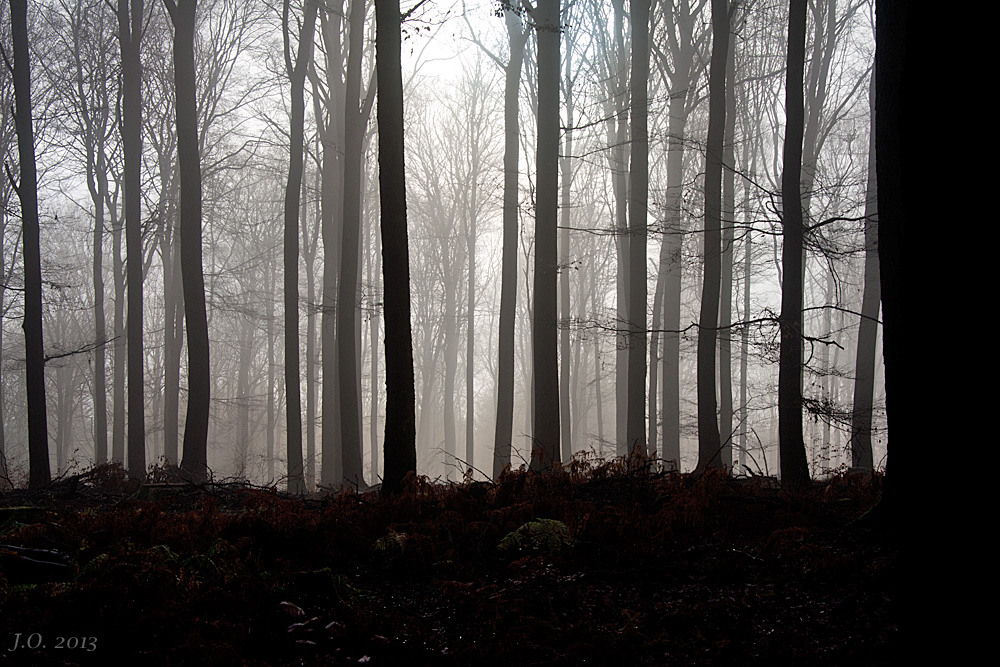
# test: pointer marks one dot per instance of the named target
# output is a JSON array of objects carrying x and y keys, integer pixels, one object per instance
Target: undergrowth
[{"x": 600, "y": 562}]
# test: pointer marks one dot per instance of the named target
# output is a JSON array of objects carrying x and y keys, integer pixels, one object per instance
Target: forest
[{"x": 317, "y": 309}]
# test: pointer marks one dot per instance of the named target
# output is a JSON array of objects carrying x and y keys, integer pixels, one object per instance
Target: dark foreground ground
[{"x": 599, "y": 565}]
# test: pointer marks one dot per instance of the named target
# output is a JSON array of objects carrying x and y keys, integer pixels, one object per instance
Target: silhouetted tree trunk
[
  {"x": 348, "y": 296},
  {"x": 709, "y": 442},
  {"x": 516, "y": 37},
  {"x": 400, "y": 419},
  {"x": 129, "y": 39},
  {"x": 195, "y": 456},
  {"x": 638, "y": 193},
  {"x": 726, "y": 291},
  {"x": 864, "y": 375},
  {"x": 120, "y": 346},
  {"x": 27, "y": 192},
  {"x": 898, "y": 148},
  {"x": 293, "y": 397},
  {"x": 794, "y": 467},
  {"x": 545, "y": 349}
]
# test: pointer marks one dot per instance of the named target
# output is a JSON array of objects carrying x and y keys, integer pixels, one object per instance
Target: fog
[{"x": 457, "y": 94}]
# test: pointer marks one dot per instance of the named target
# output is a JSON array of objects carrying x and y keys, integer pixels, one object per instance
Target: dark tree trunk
[
  {"x": 709, "y": 442},
  {"x": 195, "y": 456},
  {"x": 331, "y": 187},
  {"x": 293, "y": 392},
  {"x": 348, "y": 295},
  {"x": 129, "y": 39},
  {"x": 864, "y": 374},
  {"x": 898, "y": 146},
  {"x": 794, "y": 467},
  {"x": 726, "y": 295},
  {"x": 545, "y": 349},
  {"x": 27, "y": 191},
  {"x": 400, "y": 419},
  {"x": 638, "y": 193},
  {"x": 516, "y": 37},
  {"x": 399, "y": 448}
]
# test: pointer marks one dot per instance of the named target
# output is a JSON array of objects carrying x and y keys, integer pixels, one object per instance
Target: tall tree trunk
[
  {"x": 638, "y": 193},
  {"x": 120, "y": 347},
  {"x": 565, "y": 427},
  {"x": 271, "y": 389},
  {"x": 503, "y": 435},
  {"x": 129, "y": 39},
  {"x": 195, "y": 456},
  {"x": 450, "y": 366},
  {"x": 400, "y": 421},
  {"x": 470, "y": 339},
  {"x": 673, "y": 241},
  {"x": 97, "y": 188},
  {"x": 331, "y": 190},
  {"x": 709, "y": 442},
  {"x": 545, "y": 431},
  {"x": 726, "y": 295},
  {"x": 243, "y": 398},
  {"x": 310, "y": 262},
  {"x": 27, "y": 191},
  {"x": 618, "y": 139},
  {"x": 864, "y": 374},
  {"x": 293, "y": 391},
  {"x": 794, "y": 467},
  {"x": 374, "y": 270},
  {"x": 348, "y": 295}
]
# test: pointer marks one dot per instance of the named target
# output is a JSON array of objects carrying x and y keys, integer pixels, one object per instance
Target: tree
[
  {"x": 709, "y": 441},
  {"x": 794, "y": 467},
  {"x": 195, "y": 455},
  {"x": 27, "y": 192},
  {"x": 400, "y": 412},
  {"x": 545, "y": 330},
  {"x": 297, "y": 76},
  {"x": 129, "y": 39},
  {"x": 638, "y": 193},
  {"x": 864, "y": 376},
  {"x": 348, "y": 294}
]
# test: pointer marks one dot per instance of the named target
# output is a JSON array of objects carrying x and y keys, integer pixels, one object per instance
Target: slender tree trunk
[
  {"x": 470, "y": 340},
  {"x": 348, "y": 295},
  {"x": 516, "y": 37},
  {"x": 331, "y": 187},
  {"x": 794, "y": 467},
  {"x": 271, "y": 388},
  {"x": 709, "y": 442},
  {"x": 98, "y": 195},
  {"x": 120, "y": 347},
  {"x": 310, "y": 262},
  {"x": 545, "y": 352},
  {"x": 638, "y": 193},
  {"x": 618, "y": 140},
  {"x": 400, "y": 421},
  {"x": 864, "y": 374},
  {"x": 374, "y": 271},
  {"x": 243, "y": 399},
  {"x": 565, "y": 427},
  {"x": 726, "y": 295},
  {"x": 129, "y": 39},
  {"x": 195, "y": 456},
  {"x": 27, "y": 191},
  {"x": 671, "y": 248},
  {"x": 293, "y": 397}
]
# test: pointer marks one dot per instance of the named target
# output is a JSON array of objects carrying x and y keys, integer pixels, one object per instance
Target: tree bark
[
  {"x": 794, "y": 467},
  {"x": 565, "y": 427},
  {"x": 545, "y": 351},
  {"x": 709, "y": 442},
  {"x": 348, "y": 295},
  {"x": 195, "y": 454},
  {"x": 726, "y": 295},
  {"x": 638, "y": 193},
  {"x": 400, "y": 420},
  {"x": 503, "y": 435},
  {"x": 293, "y": 391},
  {"x": 129, "y": 39},
  {"x": 27, "y": 191},
  {"x": 864, "y": 374}
]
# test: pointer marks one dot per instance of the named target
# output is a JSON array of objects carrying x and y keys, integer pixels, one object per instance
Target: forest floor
[{"x": 603, "y": 563}]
